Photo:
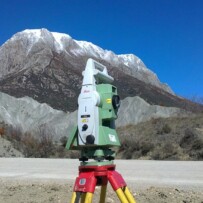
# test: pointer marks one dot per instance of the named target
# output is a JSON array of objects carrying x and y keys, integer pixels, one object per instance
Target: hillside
[
  {"x": 29, "y": 116},
  {"x": 146, "y": 131},
  {"x": 175, "y": 138}
]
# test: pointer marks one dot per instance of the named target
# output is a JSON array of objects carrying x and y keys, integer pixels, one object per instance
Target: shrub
[
  {"x": 188, "y": 138},
  {"x": 164, "y": 151},
  {"x": 46, "y": 146},
  {"x": 146, "y": 147},
  {"x": 165, "y": 129},
  {"x": 63, "y": 141},
  {"x": 30, "y": 146}
]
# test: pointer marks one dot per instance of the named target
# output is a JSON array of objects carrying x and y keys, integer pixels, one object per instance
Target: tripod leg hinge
[
  {"x": 86, "y": 182},
  {"x": 116, "y": 180}
]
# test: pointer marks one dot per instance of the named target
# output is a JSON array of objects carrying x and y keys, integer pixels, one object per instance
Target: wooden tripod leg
[
  {"x": 103, "y": 194},
  {"x": 128, "y": 195}
]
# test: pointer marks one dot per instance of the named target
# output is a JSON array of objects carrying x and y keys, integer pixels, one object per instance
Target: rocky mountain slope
[
  {"x": 27, "y": 115},
  {"x": 47, "y": 67},
  {"x": 135, "y": 110}
]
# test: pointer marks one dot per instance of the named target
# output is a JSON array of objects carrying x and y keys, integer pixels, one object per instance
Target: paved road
[{"x": 137, "y": 173}]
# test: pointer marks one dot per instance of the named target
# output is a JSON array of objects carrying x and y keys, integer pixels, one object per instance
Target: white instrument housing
[{"x": 89, "y": 101}]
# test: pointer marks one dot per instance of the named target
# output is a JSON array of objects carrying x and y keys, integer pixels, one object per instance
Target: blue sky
[{"x": 166, "y": 34}]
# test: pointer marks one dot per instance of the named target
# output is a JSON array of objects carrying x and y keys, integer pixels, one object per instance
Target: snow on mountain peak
[
  {"x": 34, "y": 40},
  {"x": 84, "y": 47},
  {"x": 32, "y": 35},
  {"x": 59, "y": 37},
  {"x": 61, "y": 42},
  {"x": 132, "y": 61},
  {"x": 33, "y": 32}
]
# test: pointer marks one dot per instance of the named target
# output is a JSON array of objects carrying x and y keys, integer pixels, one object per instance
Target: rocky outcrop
[{"x": 135, "y": 110}]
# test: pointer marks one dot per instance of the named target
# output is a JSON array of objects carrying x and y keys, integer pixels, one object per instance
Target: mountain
[
  {"x": 41, "y": 45},
  {"x": 47, "y": 67}
]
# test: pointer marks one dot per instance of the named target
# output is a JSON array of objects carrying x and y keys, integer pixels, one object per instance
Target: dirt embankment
[{"x": 47, "y": 192}]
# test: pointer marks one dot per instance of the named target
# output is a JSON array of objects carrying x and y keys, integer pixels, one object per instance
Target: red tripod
[{"x": 92, "y": 176}]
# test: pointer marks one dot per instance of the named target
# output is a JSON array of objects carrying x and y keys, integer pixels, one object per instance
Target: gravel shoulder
[
  {"x": 51, "y": 180},
  {"x": 53, "y": 191}
]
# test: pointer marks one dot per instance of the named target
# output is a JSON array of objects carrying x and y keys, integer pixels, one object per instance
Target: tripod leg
[
  {"x": 76, "y": 197},
  {"x": 83, "y": 197},
  {"x": 73, "y": 197},
  {"x": 88, "y": 197},
  {"x": 121, "y": 195},
  {"x": 103, "y": 194},
  {"x": 129, "y": 195}
]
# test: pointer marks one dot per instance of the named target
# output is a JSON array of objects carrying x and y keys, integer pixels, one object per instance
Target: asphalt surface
[{"x": 137, "y": 173}]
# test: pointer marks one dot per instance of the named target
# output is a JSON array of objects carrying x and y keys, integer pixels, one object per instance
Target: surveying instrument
[{"x": 95, "y": 135}]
